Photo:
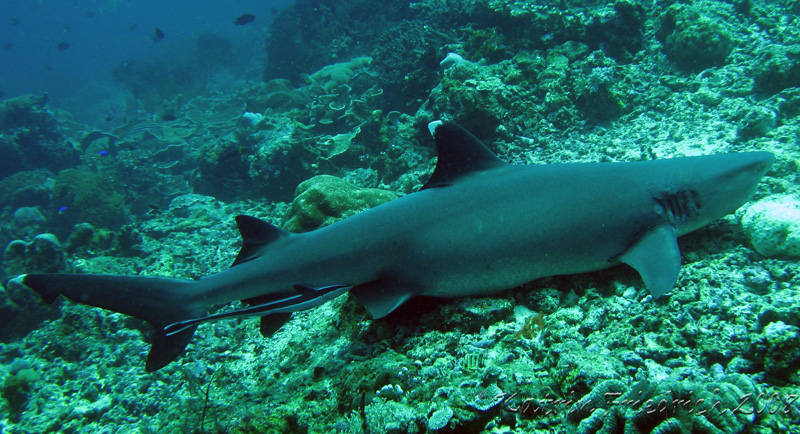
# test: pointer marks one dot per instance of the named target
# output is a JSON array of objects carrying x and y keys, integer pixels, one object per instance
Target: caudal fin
[{"x": 159, "y": 301}]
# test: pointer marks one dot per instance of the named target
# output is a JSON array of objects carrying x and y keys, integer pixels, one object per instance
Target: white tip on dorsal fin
[
  {"x": 432, "y": 127},
  {"x": 657, "y": 259}
]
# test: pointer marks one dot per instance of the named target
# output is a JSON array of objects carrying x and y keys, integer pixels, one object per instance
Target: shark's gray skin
[{"x": 477, "y": 227}]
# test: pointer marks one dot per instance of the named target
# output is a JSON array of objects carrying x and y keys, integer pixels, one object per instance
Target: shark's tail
[{"x": 159, "y": 301}]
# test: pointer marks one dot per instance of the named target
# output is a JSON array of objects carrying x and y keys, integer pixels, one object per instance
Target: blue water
[{"x": 102, "y": 34}]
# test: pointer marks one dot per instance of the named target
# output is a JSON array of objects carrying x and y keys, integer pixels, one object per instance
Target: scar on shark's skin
[{"x": 477, "y": 227}]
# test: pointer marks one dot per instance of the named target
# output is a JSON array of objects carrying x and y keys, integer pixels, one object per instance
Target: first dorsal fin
[
  {"x": 460, "y": 154},
  {"x": 256, "y": 235}
]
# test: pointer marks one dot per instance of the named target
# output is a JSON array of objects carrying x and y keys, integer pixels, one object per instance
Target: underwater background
[{"x": 132, "y": 133}]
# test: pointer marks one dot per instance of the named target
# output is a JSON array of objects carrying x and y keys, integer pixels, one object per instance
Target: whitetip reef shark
[{"x": 477, "y": 227}]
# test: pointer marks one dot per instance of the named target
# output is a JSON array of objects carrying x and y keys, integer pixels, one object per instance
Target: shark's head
[{"x": 713, "y": 186}]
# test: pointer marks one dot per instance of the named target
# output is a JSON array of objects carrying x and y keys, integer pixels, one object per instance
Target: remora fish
[{"x": 477, "y": 227}]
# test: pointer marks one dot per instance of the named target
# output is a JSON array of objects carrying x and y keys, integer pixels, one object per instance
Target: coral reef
[
  {"x": 778, "y": 69},
  {"x": 720, "y": 406},
  {"x": 405, "y": 63},
  {"x": 311, "y": 34},
  {"x": 548, "y": 83},
  {"x": 44, "y": 254},
  {"x": 30, "y": 137}
]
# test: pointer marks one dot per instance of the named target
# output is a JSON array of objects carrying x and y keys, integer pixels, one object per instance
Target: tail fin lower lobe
[{"x": 159, "y": 301}]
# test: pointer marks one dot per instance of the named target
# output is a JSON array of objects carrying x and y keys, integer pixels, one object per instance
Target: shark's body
[{"x": 479, "y": 226}]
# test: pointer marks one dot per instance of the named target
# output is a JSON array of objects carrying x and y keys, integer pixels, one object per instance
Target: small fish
[
  {"x": 103, "y": 153},
  {"x": 158, "y": 36},
  {"x": 136, "y": 130},
  {"x": 245, "y": 19},
  {"x": 62, "y": 210},
  {"x": 132, "y": 27},
  {"x": 230, "y": 154},
  {"x": 168, "y": 118},
  {"x": 61, "y": 46},
  {"x": 15, "y": 21},
  {"x": 273, "y": 11},
  {"x": 7, "y": 46},
  {"x": 89, "y": 14}
]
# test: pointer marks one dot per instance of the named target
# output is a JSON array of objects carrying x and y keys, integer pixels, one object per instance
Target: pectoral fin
[
  {"x": 381, "y": 297},
  {"x": 657, "y": 259}
]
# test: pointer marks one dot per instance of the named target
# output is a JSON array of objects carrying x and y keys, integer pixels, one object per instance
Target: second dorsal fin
[
  {"x": 460, "y": 154},
  {"x": 256, "y": 236}
]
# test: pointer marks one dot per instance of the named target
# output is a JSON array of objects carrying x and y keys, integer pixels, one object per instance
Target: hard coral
[
  {"x": 666, "y": 407},
  {"x": 325, "y": 199}
]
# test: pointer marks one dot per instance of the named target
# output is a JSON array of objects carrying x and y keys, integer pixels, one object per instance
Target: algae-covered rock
[
  {"x": 81, "y": 235},
  {"x": 778, "y": 348},
  {"x": 773, "y": 226},
  {"x": 325, "y": 199},
  {"x": 692, "y": 40}
]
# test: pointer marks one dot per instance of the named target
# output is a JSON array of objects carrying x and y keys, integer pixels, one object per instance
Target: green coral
[
  {"x": 88, "y": 197},
  {"x": 325, "y": 199}
]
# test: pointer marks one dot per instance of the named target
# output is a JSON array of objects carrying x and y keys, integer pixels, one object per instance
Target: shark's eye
[{"x": 680, "y": 206}]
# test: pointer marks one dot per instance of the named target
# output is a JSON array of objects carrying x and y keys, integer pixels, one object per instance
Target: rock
[
  {"x": 773, "y": 226},
  {"x": 693, "y": 40},
  {"x": 28, "y": 216},
  {"x": 81, "y": 235},
  {"x": 43, "y": 255},
  {"x": 451, "y": 60}
]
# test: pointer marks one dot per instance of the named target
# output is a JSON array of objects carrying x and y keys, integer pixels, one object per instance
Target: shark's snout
[
  {"x": 726, "y": 183},
  {"x": 761, "y": 162}
]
